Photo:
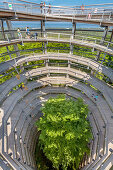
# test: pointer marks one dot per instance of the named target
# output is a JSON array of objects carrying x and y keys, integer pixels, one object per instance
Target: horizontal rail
[
  {"x": 21, "y": 35},
  {"x": 34, "y": 8}
]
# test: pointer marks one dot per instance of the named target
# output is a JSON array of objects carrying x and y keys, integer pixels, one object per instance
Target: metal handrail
[
  {"x": 58, "y": 36},
  {"x": 17, "y": 5},
  {"x": 46, "y": 34}
]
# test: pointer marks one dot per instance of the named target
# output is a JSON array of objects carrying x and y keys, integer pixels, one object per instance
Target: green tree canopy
[{"x": 65, "y": 132}]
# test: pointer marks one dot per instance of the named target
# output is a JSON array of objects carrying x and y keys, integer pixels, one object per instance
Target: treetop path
[
  {"x": 57, "y": 56},
  {"x": 106, "y": 46},
  {"x": 28, "y": 80},
  {"x": 24, "y": 10}
]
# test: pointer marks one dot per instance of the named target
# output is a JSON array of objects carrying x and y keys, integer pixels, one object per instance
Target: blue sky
[{"x": 73, "y": 2}]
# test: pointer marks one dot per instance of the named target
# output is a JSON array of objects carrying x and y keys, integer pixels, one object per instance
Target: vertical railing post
[
  {"x": 103, "y": 14},
  {"x": 31, "y": 8},
  {"x": 110, "y": 15},
  {"x": 58, "y": 36},
  {"x": 7, "y": 38},
  {"x": 22, "y": 40},
  {"x": 102, "y": 41}
]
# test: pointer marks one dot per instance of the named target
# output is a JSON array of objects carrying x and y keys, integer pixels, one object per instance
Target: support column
[
  {"x": 73, "y": 36},
  {"x": 2, "y": 28},
  {"x": 104, "y": 35},
  {"x": 47, "y": 61},
  {"x": 3, "y": 35},
  {"x": 102, "y": 41},
  {"x": 111, "y": 36},
  {"x": 68, "y": 68},
  {"x": 43, "y": 28},
  {"x": 43, "y": 34},
  {"x": 44, "y": 48},
  {"x": 9, "y": 25},
  {"x": 74, "y": 29},
  {"x": 71, "y": 48}
]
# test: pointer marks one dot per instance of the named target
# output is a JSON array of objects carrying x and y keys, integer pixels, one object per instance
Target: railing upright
[
  {"x": 31, "y": 9},
  {"x": 110, "y": 16},
  {"x": 7, "y": 38},
  {"x": 58, "y": 36},
  {"x": 103, "y": 15}
]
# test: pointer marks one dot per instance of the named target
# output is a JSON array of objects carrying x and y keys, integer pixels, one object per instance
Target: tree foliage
[{"x": 65, "y": 132}]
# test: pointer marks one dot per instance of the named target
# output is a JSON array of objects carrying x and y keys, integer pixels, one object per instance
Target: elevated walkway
[
  {"x": 28, "y": 11},
  {"x": 20, "y": 105},
  {"x": 94, "y": 65},
  {"x": 90, "y": 44}
]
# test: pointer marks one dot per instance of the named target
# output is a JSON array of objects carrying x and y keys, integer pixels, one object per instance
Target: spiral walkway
[{"x": 23, "y": 93}]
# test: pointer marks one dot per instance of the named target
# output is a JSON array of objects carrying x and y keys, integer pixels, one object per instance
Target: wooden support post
[
  {"x": 73, "y": 36},
  {"x": 69, "y": 64},
  {"x": 2, "y": 28},
  {"x": 41, "y": 28},
  {"x": 67, "y": 75},
  {"x": 111, "y": 36},
  {"x": 104, "y": 35},
  {"x": 47, "y": 61},
  {"x": 43, "y": 34},
  {"x": 42, "y": 47},
  {"x": 45, "y": 47},
  {"x": 3, "y": 35},
  {"x": 9, "y": 25},
  {"x": 71, "y": 48},
  {"x": 74, "y": 29},
  {"x": 41, "y": 6},
  {"x": 8, "y": 52},
  {"x": 102, "y": 41}
]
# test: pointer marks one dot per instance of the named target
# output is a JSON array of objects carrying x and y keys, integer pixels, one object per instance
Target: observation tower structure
[{"x": 29, "y": 79}]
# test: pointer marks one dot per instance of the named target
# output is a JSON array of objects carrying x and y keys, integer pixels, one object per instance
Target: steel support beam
[
  {"x": 102, "y": 41},
  {"x": 2, "y": 28},
  {"x": 43, "y": 34},
  {"x": 43, "y": 28},
  {"x": 111, "y": 36},
  {"x": 3, "y": 35},
  {"x": 71, "y": 48},
  {"x": 9, "y": 25},
  {"x": 44, "y": 48},
  {"x": 74, "y": 29},
  {"x": 73, "y": 36}
]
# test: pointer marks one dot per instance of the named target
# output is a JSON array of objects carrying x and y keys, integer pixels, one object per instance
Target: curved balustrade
[
  {"x": 20, "y": 118},
  {"x": 101, "y": 86},
  {"x": 53, "y": 90},
  {"x": 91, "y": 64},
  {"x": 71, "y": 58},
  {"x": 20, "y": 107},
  {"x": 62, "y": 38},
  {"x": 97, "y": 13}
]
